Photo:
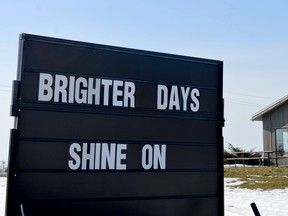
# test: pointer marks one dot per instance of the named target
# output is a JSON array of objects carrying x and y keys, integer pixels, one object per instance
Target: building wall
[{"x": 273, "y": 120}]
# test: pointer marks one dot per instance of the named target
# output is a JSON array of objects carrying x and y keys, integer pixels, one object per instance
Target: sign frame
[{"x": 35, "y": 54}]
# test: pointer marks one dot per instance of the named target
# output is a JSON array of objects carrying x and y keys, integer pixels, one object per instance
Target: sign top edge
[{"x": 32, "y": 37}]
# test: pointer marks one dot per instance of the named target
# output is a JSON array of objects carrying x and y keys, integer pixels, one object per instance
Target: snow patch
[
  {"x": 238, "y": 200},
  {"x": 2, "y": 195}
]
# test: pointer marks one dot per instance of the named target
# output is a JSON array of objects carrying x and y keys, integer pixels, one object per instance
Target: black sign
[{"x": 103, "y": 130}]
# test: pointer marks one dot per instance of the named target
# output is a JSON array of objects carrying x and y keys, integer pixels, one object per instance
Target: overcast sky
[{"x": 251, "y": 37}]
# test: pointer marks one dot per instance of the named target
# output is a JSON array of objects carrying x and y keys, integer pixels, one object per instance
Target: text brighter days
[{"x": 116, "y": 93}]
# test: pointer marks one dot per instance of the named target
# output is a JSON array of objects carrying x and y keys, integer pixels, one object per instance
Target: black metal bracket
[{"x": 15, "y": 98}]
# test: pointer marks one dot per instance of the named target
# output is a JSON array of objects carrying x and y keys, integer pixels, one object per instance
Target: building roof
[{"x": 258, "y": 116}]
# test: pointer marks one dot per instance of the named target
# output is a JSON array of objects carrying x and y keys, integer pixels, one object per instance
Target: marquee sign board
[{"x": 103, "y": 130}]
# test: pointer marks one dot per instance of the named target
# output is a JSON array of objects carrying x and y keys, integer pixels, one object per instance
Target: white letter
[
  {"x": 162, "y": 97},
  {"x": 117, "y": 92},
  {"x": 129, "y": 91},
  {"x": 94, "y": 91},
  {"x": 120, "y": 156},
  {"x": 83, "y": 98},
  {"x": 74, "y": 164},
  {"x": 108, "y": 156},
  {"x": 106, "y": 83},
  {"x": 71, "y": 89},
  {"x": 185, "y": 93},
  {"x": 195, "y": 106},
  {"x": 97, "y": 156},
  {"x": 61, "y": 83},
  {"x": 88, "y": 156},
  {"x": 174, "y": 98},
  {"x": 147, "y": 159},
  {"x": 45, "y": 90},
  {"x": 159, "y": 156}
]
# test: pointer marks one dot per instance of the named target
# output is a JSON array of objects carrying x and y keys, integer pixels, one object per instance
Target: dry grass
[{"x": 265, "y": 178}]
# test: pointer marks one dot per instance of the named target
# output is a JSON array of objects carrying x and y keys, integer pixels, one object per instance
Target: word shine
[{"x": 112, "y": 156}]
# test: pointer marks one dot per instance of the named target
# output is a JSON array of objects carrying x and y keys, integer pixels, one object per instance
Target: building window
[{"x": 282, "y": 141}]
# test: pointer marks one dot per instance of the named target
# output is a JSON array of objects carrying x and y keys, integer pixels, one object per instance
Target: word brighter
[
  {"x": 107, "y": 92},
  {"x": 112, "y": 156},
  {"x": 86, "y": 90}
]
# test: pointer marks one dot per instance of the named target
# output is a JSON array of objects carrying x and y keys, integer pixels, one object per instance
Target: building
[{"x": 275, "y": 130}]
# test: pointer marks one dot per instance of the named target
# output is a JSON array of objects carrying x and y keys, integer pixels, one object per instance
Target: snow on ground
[
  {"x": 270, "y": 203},
  {"x": 237, "y": 201},
  {"x": 2, "y": 195}
]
